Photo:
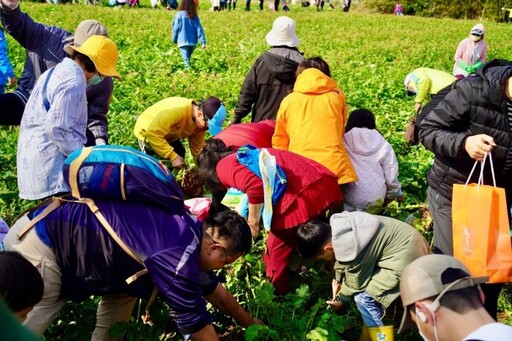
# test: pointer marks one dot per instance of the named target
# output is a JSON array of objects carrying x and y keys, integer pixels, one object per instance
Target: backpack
[{"x": 121, "y": 173}]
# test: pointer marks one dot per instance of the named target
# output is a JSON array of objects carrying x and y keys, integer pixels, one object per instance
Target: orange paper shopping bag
[{"x": 481, "y": 231}]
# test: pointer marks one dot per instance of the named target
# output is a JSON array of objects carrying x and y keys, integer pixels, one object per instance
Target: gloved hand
[{"x": 464, "y": 65}]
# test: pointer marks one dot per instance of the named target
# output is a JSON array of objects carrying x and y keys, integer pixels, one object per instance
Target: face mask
[
  {"x": 475, "y": 38},
  {"x": 96, "y": 79},
  {"x": 419, "y": 329}
]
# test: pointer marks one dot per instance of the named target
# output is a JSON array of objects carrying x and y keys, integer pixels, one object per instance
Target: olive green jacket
[{"x": 377, "y": 268}]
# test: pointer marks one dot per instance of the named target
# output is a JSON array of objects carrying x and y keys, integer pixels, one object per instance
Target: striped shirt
[{"x": 48, "y": 137}]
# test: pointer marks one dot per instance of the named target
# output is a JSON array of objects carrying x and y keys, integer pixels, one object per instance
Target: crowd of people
[{"x": 310, "y": 170}]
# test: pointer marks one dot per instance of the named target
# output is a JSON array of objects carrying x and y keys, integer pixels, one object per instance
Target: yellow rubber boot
[
  {"x": 384, "y": 333},
  {"x": 365, "y": 334}
]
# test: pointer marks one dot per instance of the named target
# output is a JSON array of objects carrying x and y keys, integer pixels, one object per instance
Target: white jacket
[{"x": 376, "y": 166}]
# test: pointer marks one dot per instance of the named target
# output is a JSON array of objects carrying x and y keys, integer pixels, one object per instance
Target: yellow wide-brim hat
[{"x": 103, "y": 53}]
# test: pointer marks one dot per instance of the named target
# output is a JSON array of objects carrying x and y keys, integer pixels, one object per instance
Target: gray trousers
[{"x": 441, "y": 210}]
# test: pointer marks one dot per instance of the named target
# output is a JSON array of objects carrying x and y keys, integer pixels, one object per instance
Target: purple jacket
[
  {"x": 44, "y": 48},
  {"x": 93, "y": 264}
]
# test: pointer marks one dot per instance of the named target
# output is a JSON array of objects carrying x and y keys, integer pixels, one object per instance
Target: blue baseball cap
[{"x": 216, "y": 113}]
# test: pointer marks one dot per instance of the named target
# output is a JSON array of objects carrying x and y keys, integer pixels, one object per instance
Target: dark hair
[
  {"x": 21, "y": 285},
  {"x": 463, "y": 300},
  {"x": 311, "y": 238},
  {"x": 360, "y": 118},
  {"x": 84, "y": 60},
  {"x": 188, "y": 6},
  {"x": 317, "y": 63},
  {"x": 213, "y": 151},
  {"x": 232, "y": 228}
]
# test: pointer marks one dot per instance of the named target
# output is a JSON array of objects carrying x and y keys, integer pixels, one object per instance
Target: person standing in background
[
  {"x": 272, "y": 75},
  {"x": 187, "y": 30}
]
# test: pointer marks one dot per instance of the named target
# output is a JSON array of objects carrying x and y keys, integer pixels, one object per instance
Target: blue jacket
[
  {"x": 186, "y": 31},
  {"x": 44, "y": 48},
  {"x": 6, "y": 70},
  {"x": 92, "y": 263}
]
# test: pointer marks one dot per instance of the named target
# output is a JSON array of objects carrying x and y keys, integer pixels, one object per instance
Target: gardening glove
[{"x": 464, "y": 65}]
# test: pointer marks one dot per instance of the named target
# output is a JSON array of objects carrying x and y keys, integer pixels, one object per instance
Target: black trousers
[{"x": 11, "y": 109}]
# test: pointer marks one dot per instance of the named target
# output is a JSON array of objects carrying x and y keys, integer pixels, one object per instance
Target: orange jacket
[{"x": 311, "y": 122}]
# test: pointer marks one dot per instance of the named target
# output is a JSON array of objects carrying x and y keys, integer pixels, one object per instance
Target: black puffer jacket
[
  {"x": 477, "y": 105},
  {"x": 270, "y": 79}
]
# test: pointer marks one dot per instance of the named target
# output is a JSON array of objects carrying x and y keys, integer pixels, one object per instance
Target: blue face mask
[{"x": 96, "y": 79}]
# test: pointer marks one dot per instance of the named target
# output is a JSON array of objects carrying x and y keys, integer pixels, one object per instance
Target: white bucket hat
[{"x": 283, "y": 33}]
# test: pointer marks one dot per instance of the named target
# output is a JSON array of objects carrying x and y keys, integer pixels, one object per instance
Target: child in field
[
  {"x": 187, "y": 30},
  {"x": 374, "y": 161},
  {"x": 162, "y": 126},
  {"x": 311, "y": 120},
  {"x": 21, "y": 285},
  {"x": 6, "y": 71},
  {"x": 370, "y": 253}
]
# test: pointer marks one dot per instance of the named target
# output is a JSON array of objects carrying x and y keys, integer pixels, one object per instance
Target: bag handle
[{"x": 482, "y": 165}]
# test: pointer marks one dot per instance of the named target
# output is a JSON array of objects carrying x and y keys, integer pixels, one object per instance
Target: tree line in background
[{"x": 457, "y": 9}]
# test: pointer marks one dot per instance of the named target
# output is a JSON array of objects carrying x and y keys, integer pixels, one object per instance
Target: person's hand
[
  {"x": 178, "y": 162},
  {"x": 255, "y": 227},
  {"x": 417, "y": 107},
  {"x": 400, "y": 198},
  {"x": 336, "y": 305},
  {"x": 335, "y": 286},
  {"x": 477, "y": 145},
  {"x": 258, "y": 321},
  {"x": 13, "y": 81}
]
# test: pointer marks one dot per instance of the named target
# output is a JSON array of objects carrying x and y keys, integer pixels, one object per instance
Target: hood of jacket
[
  {"x": 351, "y": 233},
  {"x": 495, "y": 75},
  {"x": 314, "y": 81},
  {"x": 363, "y": 141},
  {"x": 282, "y": 63}
]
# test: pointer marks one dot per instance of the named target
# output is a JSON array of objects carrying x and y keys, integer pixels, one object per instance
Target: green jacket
[
  {"x": 428, "y": 82},
  {"x": 378, "y": 266}
]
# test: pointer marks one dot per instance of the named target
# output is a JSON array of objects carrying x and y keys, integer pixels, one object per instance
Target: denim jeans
[
  {"x": 186, "y": 54},
  {"x": 371, "y": 311}
]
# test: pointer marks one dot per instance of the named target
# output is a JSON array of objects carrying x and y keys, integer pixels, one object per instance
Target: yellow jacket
[
  {"x": 311, "y": 122},
  {"x": 167, "y": 121}
]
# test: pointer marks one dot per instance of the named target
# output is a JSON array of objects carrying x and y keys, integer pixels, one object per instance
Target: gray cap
[
  {"x": 422, "y": 279},
  {"x": 84, "y": 30}
]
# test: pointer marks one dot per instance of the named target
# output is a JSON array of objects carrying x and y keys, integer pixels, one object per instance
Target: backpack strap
[
  {"x": 94, "y": 209},
  {"x": 46, "y": 102},
  {"x": 53, "y": 202},
  {"x": 74, "y": 167}
]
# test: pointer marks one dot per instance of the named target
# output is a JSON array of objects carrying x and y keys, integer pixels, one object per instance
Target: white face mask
[{"x": 423, "y": 336}]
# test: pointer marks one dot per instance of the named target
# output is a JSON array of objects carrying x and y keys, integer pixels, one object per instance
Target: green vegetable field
[{"x": 369, "y": 56}]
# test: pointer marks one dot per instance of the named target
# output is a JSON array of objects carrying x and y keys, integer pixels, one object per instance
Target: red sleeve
[{"x": 233, "y": 174}]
